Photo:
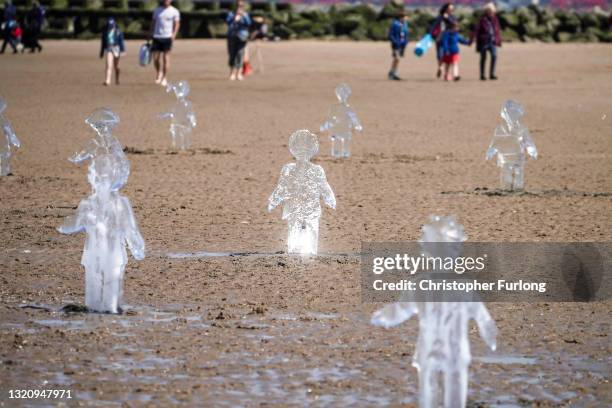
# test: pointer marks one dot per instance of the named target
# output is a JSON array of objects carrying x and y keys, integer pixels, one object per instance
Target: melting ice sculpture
[
  {"x": 512, "y": 143},
  {"x": 300, "y": 188},
  {"x": 8, "y": 143},
  {"x": 102, "y": 121},
  {"x": 340, "y": 123},
  {"x": 108, "y": 220},
  {"x": 182, "y": 118},
  {"x": 443, "y": 348}
]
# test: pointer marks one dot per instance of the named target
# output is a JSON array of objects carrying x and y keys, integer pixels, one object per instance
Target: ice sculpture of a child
[
  {"x": 108, "y": 221},
  {"x": 443, "y": 348},
  {"x": 340, "y": 123},
  {"x": 8, "y": 142},
  {"x": 512, "y": 143},
  {"x": 182, "y": 118},
  {"x": 102, "y": 121},
  {"x": 300, "y": 188}
]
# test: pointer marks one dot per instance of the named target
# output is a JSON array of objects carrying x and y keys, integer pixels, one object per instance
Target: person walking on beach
[
  {"x": 450, "y": 50},
  {"x": 398, "y": 36},
  {"x": 13, "y": 37},
  {"x": 444, "y": 20},
  {"x": 488, "y": 38},
  {"x": 112, "y": 47},
  {"x": 9, "y": 23},
  {"x": 33, "y": 26},
  {"x": 164, "y": 27},
  {"x": 238, "y": 23}
]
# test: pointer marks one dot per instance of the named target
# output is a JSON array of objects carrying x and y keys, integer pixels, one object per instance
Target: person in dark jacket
[
  {"x": 112, "y": 46},
  {"x": 9, "y": 23},
  {"x": 238, "y": 24},
  {"x": 444, "y": 20},
  {"x": 488, "y": 38},
  {"x": 33, "y": 26},
  {"x": 398, "y": 36}
]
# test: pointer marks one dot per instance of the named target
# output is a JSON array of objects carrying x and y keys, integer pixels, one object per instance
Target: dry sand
[{"x": 253, "y": 329}]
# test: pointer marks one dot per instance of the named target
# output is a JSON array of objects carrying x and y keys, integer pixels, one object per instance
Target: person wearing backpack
[
  {"x": 112, "y": 47},
  {"x": 444, "y": 20}
]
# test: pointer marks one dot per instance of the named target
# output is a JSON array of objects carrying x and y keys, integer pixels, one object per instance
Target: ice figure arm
[
  {"x": 74, "y": 223},
  {"x": 133, "y": 237},
  {"x": 393, "y": 314},
  {"x": 326, "y": 192},
  {"x": 355, "y": 121},
  {"x": 325, "y": 126},
  {"x": 191, "y": 115},
  {"x": 491, "y": 152},
  {"x": 166, "y": 115},
  {"x": 85, "y": 154},
  {"x": 12, "y": 137},
  {"x": 486, "y": 325},
  {"x": 329, "y": 121},
  {"x": 530, "y": 146},
  {"x": 280, "y": 193},
  {"x": 192, "y": 119}
]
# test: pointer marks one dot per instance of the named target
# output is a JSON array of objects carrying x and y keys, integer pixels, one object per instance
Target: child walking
[
  {"x": 112, "y": 47},
  {"x": 398, "y": 36},
  {"x": 450, "y": 47},
  {"x": 238, "y": 23},
  {"x": 12, "y": 32}
]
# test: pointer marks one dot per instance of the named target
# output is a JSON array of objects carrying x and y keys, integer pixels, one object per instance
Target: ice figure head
[
  {"x": 512, "y": 112},
  {"x": 104, "y": 173},
  {"x": 343, "y": 91},
  {"x": 303, "y": 144},
  {"x": 2, "y": 105},
  {"x": 180, "y": 89},
  {"x": 102, "y": 120},
  {"x": 442, "y": 229}
]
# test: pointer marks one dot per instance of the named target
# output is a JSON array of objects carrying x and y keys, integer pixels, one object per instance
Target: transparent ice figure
[
  {"x": 182, "y": 118},
  {"x": 512, "y": 143},
  {"x": 300, "y": 188},
  {"x": 443, "y": 356},
  {"x": 102, "y": 121},
  {"x": 8, "y": 143},
  {"x": 340, "y": 123},
  {"x": 108, "y": 220}
]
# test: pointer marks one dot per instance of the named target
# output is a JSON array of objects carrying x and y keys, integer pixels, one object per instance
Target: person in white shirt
[{"x": 164, "y": 27}]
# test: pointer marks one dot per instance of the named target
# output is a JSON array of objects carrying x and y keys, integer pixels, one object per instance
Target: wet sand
[{"x": 260, "y": 326}]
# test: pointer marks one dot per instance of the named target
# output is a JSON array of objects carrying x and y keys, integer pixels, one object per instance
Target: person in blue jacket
[
  {"x": 238, "y": 24},
  {"x": 450, "y": 50},
  {"x": 398, "y": 36},
  {"x": 112, "y": 47}
]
